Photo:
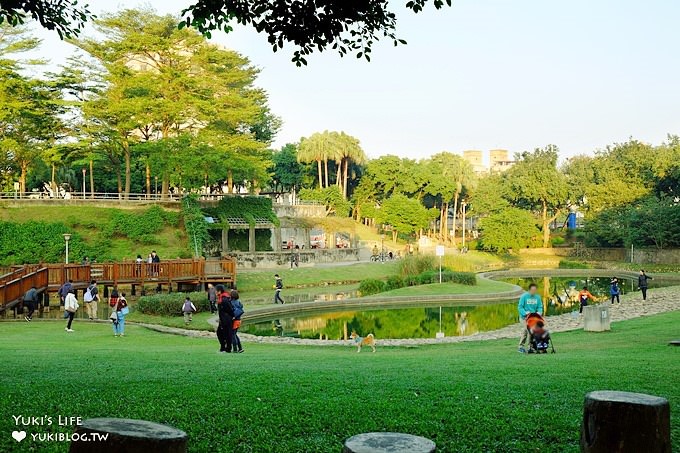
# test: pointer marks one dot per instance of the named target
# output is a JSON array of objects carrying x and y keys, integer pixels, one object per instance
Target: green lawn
[
  {"x": 199, "y": 322},
  {"x": 471, "y": 397},
  {"x": 483, "y": 286},
  {"x": 261, "y": 280}
]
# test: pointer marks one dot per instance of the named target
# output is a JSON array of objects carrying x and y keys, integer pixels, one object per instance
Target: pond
[{"x": 423, "y": 320}]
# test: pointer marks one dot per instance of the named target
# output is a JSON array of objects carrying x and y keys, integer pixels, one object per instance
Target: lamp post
[
  {"x": 67, "y": 238},
  {"x": 84, "y": 171},
  {"x": 382, "y": 248}
]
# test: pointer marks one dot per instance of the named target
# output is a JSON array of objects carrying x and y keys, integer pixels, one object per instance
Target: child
[
  {"x": 278, "y": 286},
  {"x": 583, "y": 297},
  {"x": 237, "y": 308},
  {"x": 188, "y": 309},
  {"x": 614, "y": 290}
]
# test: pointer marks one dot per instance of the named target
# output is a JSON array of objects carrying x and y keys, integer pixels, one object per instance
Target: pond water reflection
[{"x": 424, "y": 321}]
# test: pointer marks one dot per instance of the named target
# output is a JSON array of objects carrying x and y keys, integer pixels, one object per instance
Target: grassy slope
[
  {"x": 467, "y": 397},
  {"x": 436, "y": 289},
  {"x": 169, "y": 243},
  {"x": 314, "y": 276}
]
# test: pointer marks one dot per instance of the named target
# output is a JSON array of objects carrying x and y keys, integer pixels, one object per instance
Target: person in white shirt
[{"x": 71, "y": 307}]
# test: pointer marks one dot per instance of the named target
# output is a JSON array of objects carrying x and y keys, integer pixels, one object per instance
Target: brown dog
[{"x": 369, "y": 340}]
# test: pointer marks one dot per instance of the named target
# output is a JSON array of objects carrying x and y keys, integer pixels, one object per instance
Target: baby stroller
[{"x": 539, "y": 337}]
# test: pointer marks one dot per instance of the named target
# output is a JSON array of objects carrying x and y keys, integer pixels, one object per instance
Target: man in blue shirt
[{"x": 530, "y": 302}]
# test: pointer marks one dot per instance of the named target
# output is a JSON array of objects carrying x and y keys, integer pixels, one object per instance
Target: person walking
[
  {"x": 30, "y": 302},
  {"x": 70, "y": 307},
  {"x": 530, "y": 302},
  {"x": 643, "y": 283},
  {"x": 64, "y": 290},
  {"x": 118, "y": 313},
  {"x": 156, "y": 264},
  {"x": 278, "y": 287},
  {"x": 212, "y": 298},
  {"x": 225, "y": 334},
  {"x": 188, "y": 309},
  {"x": 91, "y": 299},
  {"x": 237, "y": 309},
  {"x": 615, "y": 290},
  {"x": 583, "y": 297}
]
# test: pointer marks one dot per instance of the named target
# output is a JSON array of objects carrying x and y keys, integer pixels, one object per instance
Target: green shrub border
[{"x": 371, "y": 286}]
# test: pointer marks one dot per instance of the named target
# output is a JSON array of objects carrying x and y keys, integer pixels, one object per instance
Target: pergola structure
[{"x": 239, "y": 223}]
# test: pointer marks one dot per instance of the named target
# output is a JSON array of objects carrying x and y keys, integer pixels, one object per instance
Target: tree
[
  {"x": 347, "y": 151},
  {"x": 510, "y": 228},
  {"x": 163, "y": 82},
  {"x": 288, "y": 173},
  {"x": 406, "y": 215},
  {"x": 536, "y": 183},
  {"x": 66, "y": 17},
  {"x": 317, "y": 148},
  {"x": 490, "y": 195},
  {"x": 456, "y": 174},
  {"x": 329, "y": 197}
]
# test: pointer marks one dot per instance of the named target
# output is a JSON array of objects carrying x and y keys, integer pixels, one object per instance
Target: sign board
[{"x": 440, "y": 250}]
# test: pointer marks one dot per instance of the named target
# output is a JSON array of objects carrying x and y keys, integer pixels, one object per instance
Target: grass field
[
  {"x": 483, "y": 286},
  {"x": 471, "y": 397},
  {"x": 262, "y": 280}
]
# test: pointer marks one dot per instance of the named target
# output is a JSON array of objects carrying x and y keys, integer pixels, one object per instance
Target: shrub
[
  {"x": 512, "y": 228},
  {"x": 417, "y": 264},
  {"x": 557, "y": 241},
  {"x": 569, "y": 264},
  {"x": 171, "y": 304},
  {"x": 139, "y": 226},
  {"x": 371, "y": 286},
  {"x": 394, "y": 282}
]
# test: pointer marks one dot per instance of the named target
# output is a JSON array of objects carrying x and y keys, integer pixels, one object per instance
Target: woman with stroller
[{"x": 529, "y": 303}]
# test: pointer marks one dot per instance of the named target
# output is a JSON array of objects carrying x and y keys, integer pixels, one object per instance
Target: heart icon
[{"x": 19, "y": 435}]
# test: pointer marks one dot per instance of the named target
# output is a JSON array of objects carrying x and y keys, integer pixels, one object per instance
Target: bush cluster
[
  {"x": 570, "y": 264},
  {"x": 34, "y": 242},
  {"x": 171, "y": 304},
  {"x": 141, "y": 227},
  {"x": 372, "y": 286},
  {"x": 413, "y": 265},
  {"x": 194, "y": 224}
]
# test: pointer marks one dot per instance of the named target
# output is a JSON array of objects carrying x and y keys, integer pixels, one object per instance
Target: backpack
[
  {"x": 88, "y": 297},
  {"x": 237, "y": 307}
]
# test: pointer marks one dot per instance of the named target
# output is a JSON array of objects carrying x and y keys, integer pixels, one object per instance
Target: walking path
[{"x": 660, "y": 301}]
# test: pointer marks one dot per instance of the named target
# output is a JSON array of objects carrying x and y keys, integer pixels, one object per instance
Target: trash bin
[{"x": 596, "y": 318}]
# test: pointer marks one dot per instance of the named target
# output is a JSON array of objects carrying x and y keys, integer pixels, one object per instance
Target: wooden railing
[
  {"x": 60, "y": 273},
  {"x": 12, "y": 291}
]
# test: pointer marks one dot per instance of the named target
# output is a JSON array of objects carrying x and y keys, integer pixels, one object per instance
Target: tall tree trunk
[
  {"x": 338, "y": 175},
  {"x": 53, "y": 183},
  {"x": 128, "y": 171},
  {"x": 318, "y": 166},
  {"x": 119, "y": 178},
  {"x": 91, "y": 179},
  {"x": 165, "y": 186},
  {"x": 344, "y": 181},
  {"x": 148, "y": 181},
  {"x": 546, "y": 223},
  {"x": 230, "y": 181},
  {"x": 325, "y": 163},
  {"x": 441, "y": 221},
  {"x": 455, "y": 216},
  {"x": 22, "y": 178},
  {"x": 445, "y": 223}
]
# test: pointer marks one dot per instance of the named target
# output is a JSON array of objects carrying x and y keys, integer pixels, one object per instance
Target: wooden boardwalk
[{"x": 170, "y": 274}]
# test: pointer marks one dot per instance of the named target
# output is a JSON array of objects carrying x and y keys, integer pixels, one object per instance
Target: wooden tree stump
[
  {"x": 388, "y": 443},
  {"x": 622, "y": 422},
  {"x": 128, "y": 436}
]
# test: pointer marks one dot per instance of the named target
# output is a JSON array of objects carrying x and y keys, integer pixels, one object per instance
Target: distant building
[
  {"x": 475, "y": 159},
  {"x": 499, "y": 160}
]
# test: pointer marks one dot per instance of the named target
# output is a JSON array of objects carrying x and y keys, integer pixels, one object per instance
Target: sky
[{"x": 482, "y": 74}]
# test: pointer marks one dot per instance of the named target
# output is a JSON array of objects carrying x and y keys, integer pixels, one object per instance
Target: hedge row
[
  {"x": 171, "y": 304},
  {"x": 373, "y": 286}
]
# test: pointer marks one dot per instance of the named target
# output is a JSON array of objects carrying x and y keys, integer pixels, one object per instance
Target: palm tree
[
  {"x": 459, "y": 174},
  {"x": 311, "y": 150},
  {"x": 349, "y": 151}
]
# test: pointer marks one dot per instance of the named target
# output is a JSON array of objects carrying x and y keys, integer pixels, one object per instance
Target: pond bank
[{"x": 660, "y": 300}]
